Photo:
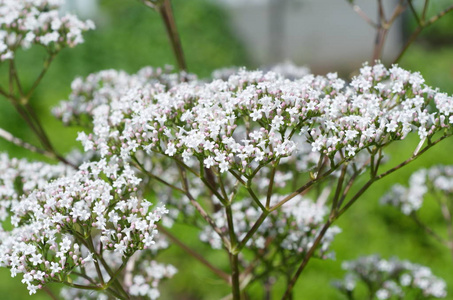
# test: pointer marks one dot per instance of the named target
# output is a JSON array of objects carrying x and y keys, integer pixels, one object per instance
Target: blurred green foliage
[
  {"x": 435, "y": 63},
  {"x": 441, "y": 31}
]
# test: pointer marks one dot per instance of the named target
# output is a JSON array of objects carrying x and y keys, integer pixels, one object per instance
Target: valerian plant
[{"x": 262, "y": 163}]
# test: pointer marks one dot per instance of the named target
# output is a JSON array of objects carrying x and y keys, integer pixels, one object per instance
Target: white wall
[
  {"x": 323, "y": 34},
  {"x": 83, "y": 8}
]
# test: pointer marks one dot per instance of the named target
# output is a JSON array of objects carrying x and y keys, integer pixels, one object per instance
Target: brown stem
[
  {"x": 384, "y": 174},
  {"x": 41, "y": 75},
  {"x": 307, "y": 257},
  {"x": 18, "y": 142},
  {"x": 383, "y": 26},
  {"x": 304, "y": 187},
  {"x": 339, "y": 188},
  {"x": 409, "y": 42},
  {"x": 50, "y": 293},
  {"x": 252, "y": 231},
  {"x": 363, "y": 15},
  {"x": 140, "y": 166},
  {"x": 166, "y": 13},
  {"x": 200, "y": 209},
  {"x": 381, "y": 14},
  {"x": 419, "y": 29},
  {"x": 271, "y": 185},
  {"x": 414, "y": 12},
  {"x": 425, "y": 9},
  {"x": 379, "y": 44},
  {"x": 26, "y": 111},
  {"x": 234, "y": 259},
  {"x": 194, "y": 254},
  {"x": 15, "y": 77}
]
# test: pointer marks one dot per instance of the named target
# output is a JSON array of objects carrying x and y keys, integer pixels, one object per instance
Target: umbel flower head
[
  {"x": 253, "y": 118},
  {"x": 53, "y": 226},
  {"x": 19, "y": 177},
  {"x": 437, "y": 179},
  {"x": 27, "y": 22},
  {"x": 110, "y": 87},
  {"x": 387, "y": 279}
]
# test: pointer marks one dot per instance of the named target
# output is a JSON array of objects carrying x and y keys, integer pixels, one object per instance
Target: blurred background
[{"x": 325, "y": 35}]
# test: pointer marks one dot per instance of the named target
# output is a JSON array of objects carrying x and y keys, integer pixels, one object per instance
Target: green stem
[
  {"x": 305, "y": 187},
  {"x": 252, "y": 231},
  {"x": 235, "y": 285},
  {"x": 271, "y": 185},
  {"x": 335, "y": 215}
]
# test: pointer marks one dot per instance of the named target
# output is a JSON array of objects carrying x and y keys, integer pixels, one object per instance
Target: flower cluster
[
  {"x": 113, "y": 87},
  {"x": 410, "y": 199},
  {"x": 20, "y": 177},
  {"x": 27, "y": 22},
  {"x": 386, "y": 279},
  {"x": 53, "y": 226},
  {"x": 146, "y": 277},
  {"x": 251, "y": 119}
]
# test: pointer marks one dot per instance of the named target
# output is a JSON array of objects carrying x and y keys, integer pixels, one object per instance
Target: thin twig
[
  {"x": 388, "y": 172},
  {"x": 16, "y": 77},
  {"x": 364, "y": 16},
  {"x": 304, "y": 188},
  {"x": 18, "y": 142},
  {"x": 166, "y": 13},
  {"x": 414, "y": 12},
  {"x": 428, "y": 229},
  {"x": 425, "y": 9},
  {"x": 252, "y": 231},
  {"x": 200, "y": 209},
  {"x": 307, "y": 257},
  {"x": 194, "y": 254},
  {"x": 271, "y": 185},
  {"x": 37, "y": 81},
  {"x": 50, "y": 293},
  {"x": 419, "y": 29}
]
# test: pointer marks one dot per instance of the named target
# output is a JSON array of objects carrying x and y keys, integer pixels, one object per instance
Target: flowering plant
[
  {"x": 261, "y": 163},
  {"x": 390, "y": 279}
]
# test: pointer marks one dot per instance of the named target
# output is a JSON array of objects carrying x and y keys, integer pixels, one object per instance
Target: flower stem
[{"x": 166, "y": 13}]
